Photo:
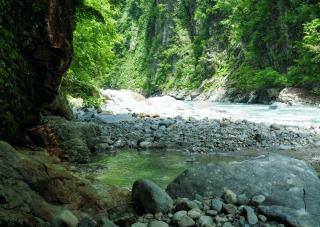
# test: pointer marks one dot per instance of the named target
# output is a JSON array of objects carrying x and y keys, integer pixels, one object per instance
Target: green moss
[{"x": 9, "y": 127}]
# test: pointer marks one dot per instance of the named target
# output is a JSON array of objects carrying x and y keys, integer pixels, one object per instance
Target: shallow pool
[{"x": 162, "y": 167}]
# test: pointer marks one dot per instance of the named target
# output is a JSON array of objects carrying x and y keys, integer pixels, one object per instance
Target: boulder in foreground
[
  {"x": 150, "y": 198},
  {"x": 290, "y": 185}
]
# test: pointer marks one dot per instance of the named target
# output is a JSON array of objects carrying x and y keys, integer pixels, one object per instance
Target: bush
[{"x": 249, "y": 79}]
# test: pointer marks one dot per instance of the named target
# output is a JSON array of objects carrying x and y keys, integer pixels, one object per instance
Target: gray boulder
[
  {"x": 158, "y": 224},
  {"x": 288, "y": 184},
  {"x": 150, "y": 198}
]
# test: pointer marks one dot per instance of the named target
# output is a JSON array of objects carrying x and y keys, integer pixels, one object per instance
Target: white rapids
[{"x": 128, "y": 102}]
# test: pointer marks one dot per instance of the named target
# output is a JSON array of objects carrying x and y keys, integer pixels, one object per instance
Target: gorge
[{"x": 217, "y": 102}]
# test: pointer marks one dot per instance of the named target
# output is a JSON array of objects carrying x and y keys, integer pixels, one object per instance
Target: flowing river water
[{"x": 162, "y": 166}]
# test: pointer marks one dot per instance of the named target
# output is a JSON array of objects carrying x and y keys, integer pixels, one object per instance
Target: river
[{"x": 119, "y": 119}]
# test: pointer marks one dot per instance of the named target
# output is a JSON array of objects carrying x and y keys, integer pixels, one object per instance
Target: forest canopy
[{"x": 155, "y": 46}]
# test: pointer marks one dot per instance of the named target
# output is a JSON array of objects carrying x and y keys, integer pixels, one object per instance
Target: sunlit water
[
  {"x": 291, "y": 115},
  {"x": 160, "y": 166},
  {"x": 126, "y": 102}
]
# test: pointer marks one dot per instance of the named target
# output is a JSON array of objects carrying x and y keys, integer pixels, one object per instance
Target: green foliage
[
  {"x": 94, "y": 39},
  {"x": 187, "y": 44},
  {"x": 306, "y": 72},
  {"x": 249, "y": 79}
]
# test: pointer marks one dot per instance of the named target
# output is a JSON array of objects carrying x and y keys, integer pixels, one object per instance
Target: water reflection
[{"x": 160, "y": 166}]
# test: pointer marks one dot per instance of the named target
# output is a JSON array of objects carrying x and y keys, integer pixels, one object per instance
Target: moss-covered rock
[
  {"x": 35, "y": 51},
  {"x": 38, "y": 190},
  {"x": 76, "y": 139}
]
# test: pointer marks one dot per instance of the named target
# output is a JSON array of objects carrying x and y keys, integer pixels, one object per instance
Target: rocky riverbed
[
  {"x": 266, "y": 191},
  {"x": 130, "y": 120}
]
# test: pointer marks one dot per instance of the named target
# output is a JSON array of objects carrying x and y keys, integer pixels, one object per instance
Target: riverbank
[
  {"x": 129, "y": 120},
  {"x": 150, "y": 124}
]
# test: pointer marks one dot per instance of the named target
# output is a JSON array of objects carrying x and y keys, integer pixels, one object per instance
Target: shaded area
[{"x": 35, "y": 51}]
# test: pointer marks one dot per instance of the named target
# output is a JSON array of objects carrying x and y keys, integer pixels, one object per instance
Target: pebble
[
  {"x": 230, "y": 208},
  {"x": 67, "y": 218},
  {"x": 139, "y": 224},
  {"x": 158, "y": 216},
  {"x": 194, "y": 213},
  {"x": 221, "y": 219},
  {"x": 158, "y": 224},
  {"x": 211, "y": 212},
  {"x": 185, "y": 204},
  {"x": 258, "y": 199},
  {"x": 178, "y": 215},
  {"x": 243, "y": 199},
  {"x": 148, "y": 216},
  {"x": 250, "y": 215},
  {"x": 227, "y": 224},
  {"x": 262, "y": 218},
  {"x": 230, "y": 197},
  {"x": 186, "y": 221},
  {"x": 204, "y": 220},
  {"x": 216, "y": 204}
]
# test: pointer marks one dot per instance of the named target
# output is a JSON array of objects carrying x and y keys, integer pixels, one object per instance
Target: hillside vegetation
[{"x": 160, "y": 45}]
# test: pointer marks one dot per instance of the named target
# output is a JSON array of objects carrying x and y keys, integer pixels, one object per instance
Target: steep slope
[
  {"x": 35, "y": 51},
  {"x": 189, "y": 44}
]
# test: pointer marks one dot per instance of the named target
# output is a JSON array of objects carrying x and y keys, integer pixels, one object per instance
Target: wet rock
[
  {"x": 258, "y": 199},
  {"x": 158, "y": 216},
  {"x": 212, "y": 213},
  {"x": 262, "y": 218},
  {"x": 105, "y": 222},
  {"x": 220, "y": 219},
  {"x": 185, "y": 204},
  {"x": 250, "y": 215},
  {"x": 139, "y": 224},
  {"x": 230, "y": 209},
  {"x": 216, "y": 204},
  {"x": 66, "y": 218},
  {"x": 146, "y": 144},
  {"x": 120, "y": 143},
  {"x": 204, "y": 220},
  {"x": 287, "y": 183},
  {"x": 77, "y": 139},
  {"x": 194, "y": 213},
  {"x": 289, "y": 216},
  {"x": 158, "y": 224},
  {"x": 178, "y": 215},
  {"x": 298, "y": 96},
  {"x": 37, "y": 188},
  {"x": 227, "y": 224},
  {"x": 186, "y": 221},
  {"x": 243, "y": 199},
  {"x": 230, "y": 197},
  {"x": 150, "y": 198},
  {"x": 87, "y": 222}
]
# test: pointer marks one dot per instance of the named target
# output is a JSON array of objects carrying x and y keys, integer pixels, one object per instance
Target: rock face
[
  {"x": 78, "y": 140},
  {"x": 288, "y": 184},
  {"x": 150, "y": 198},
  {"x": 38, "y": 190},
  {"x": 42, "y": 46},
  {"x": 298, "y": 96}
]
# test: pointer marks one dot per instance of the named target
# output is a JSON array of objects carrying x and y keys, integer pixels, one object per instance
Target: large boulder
[
  {"x": 150, "y": 198},
  {"x": 289, "y": 185},
  {"x": 77, "y": 139},
  {"x": 298, "y": 96}
]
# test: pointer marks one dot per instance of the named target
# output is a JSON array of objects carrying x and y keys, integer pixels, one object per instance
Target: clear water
[
  {"x": 291, "y": 115},
  {"x": 162, "y": 167}
]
